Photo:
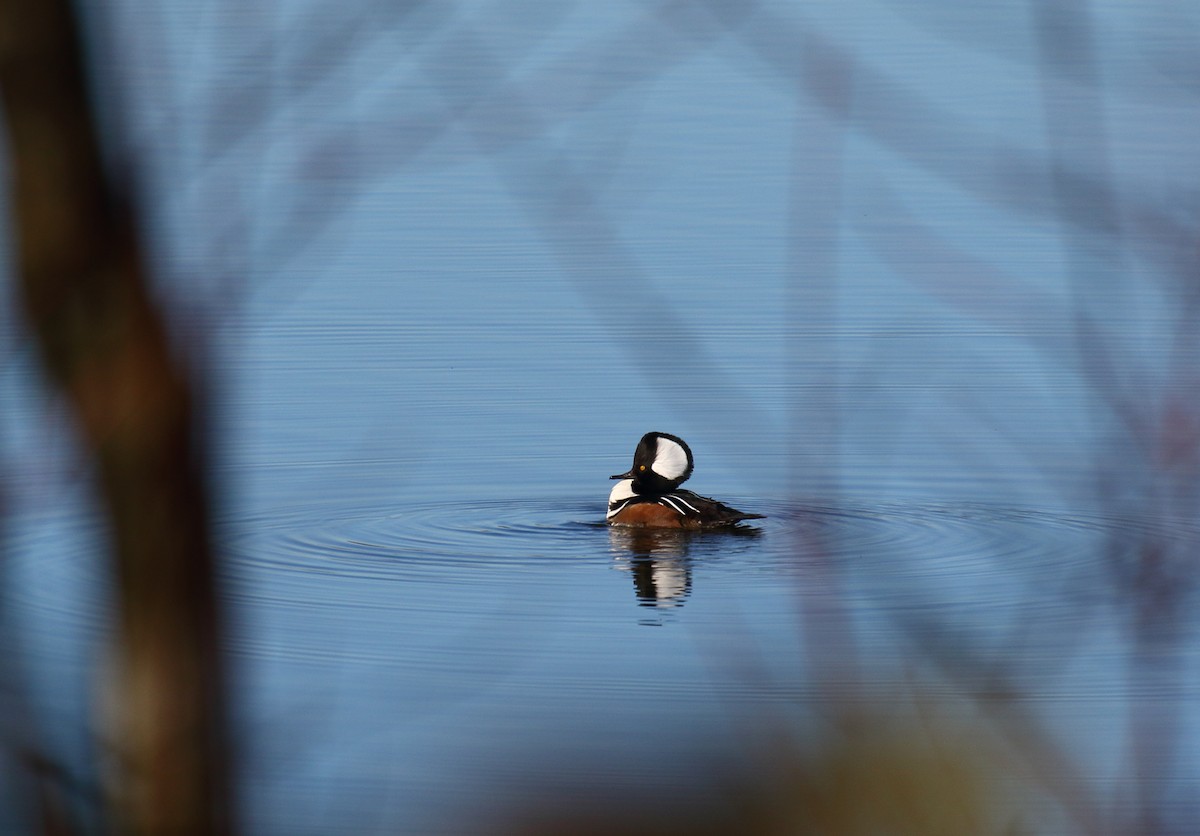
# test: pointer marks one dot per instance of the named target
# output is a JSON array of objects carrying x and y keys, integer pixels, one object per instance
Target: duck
[{"x": 649, "y": 496}]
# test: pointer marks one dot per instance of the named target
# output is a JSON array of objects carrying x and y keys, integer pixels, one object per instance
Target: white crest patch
[{"x": 670, "y": 460}]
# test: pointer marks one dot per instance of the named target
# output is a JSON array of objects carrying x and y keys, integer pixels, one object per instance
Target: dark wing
[{"x": 713, "y": 512}]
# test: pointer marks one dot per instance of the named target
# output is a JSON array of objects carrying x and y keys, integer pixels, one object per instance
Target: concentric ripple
[
  {"x": 468, "y": 543},
  {"x": 443, "y": 602},
  {"x": 489, "y": 616},
  {"x": 441, "y": 538}
]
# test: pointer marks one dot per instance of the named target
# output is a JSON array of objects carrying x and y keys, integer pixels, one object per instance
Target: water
[
  {"x": 423, "y": 665},
  {"x": 446, "y": 264}
]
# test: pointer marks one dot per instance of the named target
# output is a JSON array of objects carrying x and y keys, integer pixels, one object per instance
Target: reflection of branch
[{"x": 104, "y": 344}]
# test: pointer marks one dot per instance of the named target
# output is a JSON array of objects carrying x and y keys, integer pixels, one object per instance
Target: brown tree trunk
[{"x": 86, "y": 297}]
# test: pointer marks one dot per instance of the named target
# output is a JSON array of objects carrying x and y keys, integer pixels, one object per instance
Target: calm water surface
[{"x": 420, "y": 665}]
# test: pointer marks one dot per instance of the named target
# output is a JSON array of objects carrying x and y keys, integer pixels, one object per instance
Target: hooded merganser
[{"x": 648, "y": 495}]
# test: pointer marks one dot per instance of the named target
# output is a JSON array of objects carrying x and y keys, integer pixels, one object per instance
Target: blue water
[{"x": 914, "y": 280}]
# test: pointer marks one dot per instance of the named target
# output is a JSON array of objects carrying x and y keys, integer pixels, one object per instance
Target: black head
[{"x": 661, "y": 463}]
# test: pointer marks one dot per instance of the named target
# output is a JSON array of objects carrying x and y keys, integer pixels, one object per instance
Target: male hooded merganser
[{"x": 648, "y": 495}]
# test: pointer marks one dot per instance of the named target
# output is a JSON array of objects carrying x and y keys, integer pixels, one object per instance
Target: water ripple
[{"x": 469, "y": 543}]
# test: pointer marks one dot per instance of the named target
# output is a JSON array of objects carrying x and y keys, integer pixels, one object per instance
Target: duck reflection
[{"x": 658, "y": 560}]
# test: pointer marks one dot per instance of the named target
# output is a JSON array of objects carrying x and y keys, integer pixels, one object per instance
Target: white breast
[{"x": 621, "y": 492}]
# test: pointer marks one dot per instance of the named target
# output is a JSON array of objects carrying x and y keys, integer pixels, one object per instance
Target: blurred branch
[
  {"x": 1006, "y": 174},
  {"x": 87, "y": 299},
  {"x": 498, "y": 112}
]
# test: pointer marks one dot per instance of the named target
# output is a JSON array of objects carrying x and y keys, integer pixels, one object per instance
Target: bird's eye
[{"x": 642, "y": 467}]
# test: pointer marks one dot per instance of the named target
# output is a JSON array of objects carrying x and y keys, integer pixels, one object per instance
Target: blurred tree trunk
[{"x": 86, "y": 297}]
